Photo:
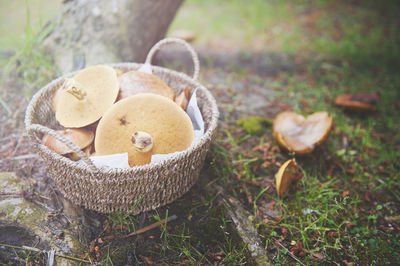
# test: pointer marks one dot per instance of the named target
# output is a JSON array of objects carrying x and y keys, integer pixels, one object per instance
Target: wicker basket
[{"x": 146, "y": 187}]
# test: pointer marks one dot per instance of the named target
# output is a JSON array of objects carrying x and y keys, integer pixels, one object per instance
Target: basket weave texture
[{"x": 107, "y": 190}]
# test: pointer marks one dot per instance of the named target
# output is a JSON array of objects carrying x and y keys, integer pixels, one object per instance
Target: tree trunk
[{"x": 92, "y": 32}]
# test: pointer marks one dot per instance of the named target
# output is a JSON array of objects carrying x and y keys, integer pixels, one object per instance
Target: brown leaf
[
  {"x": 345, "y": 193},
  {"x": 92, "y": 245},
  {"x": 366, "y": 197},
  {"x": 332, "y": 234},
  {"x": 107, "y": 227},
  {"x": 109, "y": 237},
  {"x": 147, "y": 260},
  {"x": 97, "y": 251},
  {"x": 348, "y": 263},
  {"x": 266, "y": 164}
]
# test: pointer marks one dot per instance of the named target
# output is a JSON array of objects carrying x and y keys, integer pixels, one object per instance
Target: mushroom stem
[
  {"x": 75, "y": 88},
  {"x": 142, "y": 141}
]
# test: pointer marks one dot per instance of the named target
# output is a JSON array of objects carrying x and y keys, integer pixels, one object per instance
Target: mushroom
[
  {"x": 300, "y": 135},
  {"x": 143, "y": 125},
  {"x": 287, "y": 174},
  {"x": 84, "y": 98},
  {"x": 55, "y": 99},
  {"x": 183, "y": 98},
  {"x": 80, "y": 137},
  {"x": 358, "y": 101},
  {"x": 135, "y": 82}
]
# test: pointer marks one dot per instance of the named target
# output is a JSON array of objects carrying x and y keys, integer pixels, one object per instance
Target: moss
[{"x": 254, "y": 125}]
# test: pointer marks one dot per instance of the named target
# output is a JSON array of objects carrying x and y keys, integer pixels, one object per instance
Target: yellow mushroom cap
[
  {"x": 301, "y": 135},
  {"x": 99, "y": 85},
  {"x": 169, "y": 127},
  {"x": 80, "y": 137},
  {"x": 55, "y": 99},
  {"x": 136, "y": 82},
  {"x": 286, "y": 175}
]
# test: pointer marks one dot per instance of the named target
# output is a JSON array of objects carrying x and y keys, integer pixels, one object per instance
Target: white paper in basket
[{"x": 121, "y": 160}]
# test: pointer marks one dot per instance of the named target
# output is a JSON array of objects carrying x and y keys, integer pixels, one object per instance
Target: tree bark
[{"x": 92, "y": 32}]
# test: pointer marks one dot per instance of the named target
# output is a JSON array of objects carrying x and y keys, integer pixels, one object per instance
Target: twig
[
  {"x": 41, "y": 196},
  {"x": 152, "y": 226},
  {"x": 20, "y": 139},
  {"x": 289, "y": 253},
  {"x": 43, "y": 251},
  {"x": 55, "y": 194}
]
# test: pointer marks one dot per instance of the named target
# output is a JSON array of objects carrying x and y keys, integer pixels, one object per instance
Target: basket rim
[{"x": 208, "y": 134}]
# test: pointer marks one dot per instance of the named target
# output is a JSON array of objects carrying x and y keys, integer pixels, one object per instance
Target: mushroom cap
[
  {"x": 169, "y": 126},
  {"x": 80, "y": 137},
  {"x": 55, "y": 99},
  {"x": 300, "y": 135},
  {"x": 136, "y": 82},
  {"x": 286, "y": 175},
  {"x": 359, "y": 101},
  {"x": 101, "y": 88}
]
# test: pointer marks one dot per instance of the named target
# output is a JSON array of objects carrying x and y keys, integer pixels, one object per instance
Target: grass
[
  {"x": 13, "y": 15},
  {"x": 345, "y": 209},
  {"x": 337, "y": 209},
  {"x": 339, "y": 29},
  {"x": 29, "y": 63}
]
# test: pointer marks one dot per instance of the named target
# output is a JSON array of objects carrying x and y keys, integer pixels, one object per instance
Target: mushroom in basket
[
  {"x": 143, "y": 125},
  {"x": 82, "y": 138},
  {"x": 84, "y": 98},
  {"x": 136, "y": 82}
]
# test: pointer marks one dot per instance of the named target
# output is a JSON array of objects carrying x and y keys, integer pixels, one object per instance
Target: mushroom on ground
[
  {"x": 300, "y": 135},
  {"x": 84, "y": 98},
  {"x": 358, "y": 101},
  {"x": 288, "y": 173},
  {"x": 136, "y": 82},
  {"x": 183, "y": 98},
  {"x": 143, "y": 125},
  {"x": 80, "y": 137}
]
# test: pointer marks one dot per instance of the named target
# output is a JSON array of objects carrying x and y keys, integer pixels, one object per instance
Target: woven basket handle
[
  {"x": 72, "y": 146},
  {"x": 167, "y": 41}
]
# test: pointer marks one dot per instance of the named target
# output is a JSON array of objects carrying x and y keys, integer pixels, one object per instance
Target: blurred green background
[{"x": 357, "y": 29}]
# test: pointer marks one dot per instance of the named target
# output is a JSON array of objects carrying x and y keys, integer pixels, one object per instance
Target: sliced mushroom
[
  {"x": 143, "y": 125},
  {"x": 287, "y": 174},
  {"x": 358, "y": 101},
  {"x": 183, "y": 98},
  {"x": 300, "y": 135},
  {"x": 80, "y": 137},
  {"x": 136, "y": 82},
  {"x": 84, "y": 98}
]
